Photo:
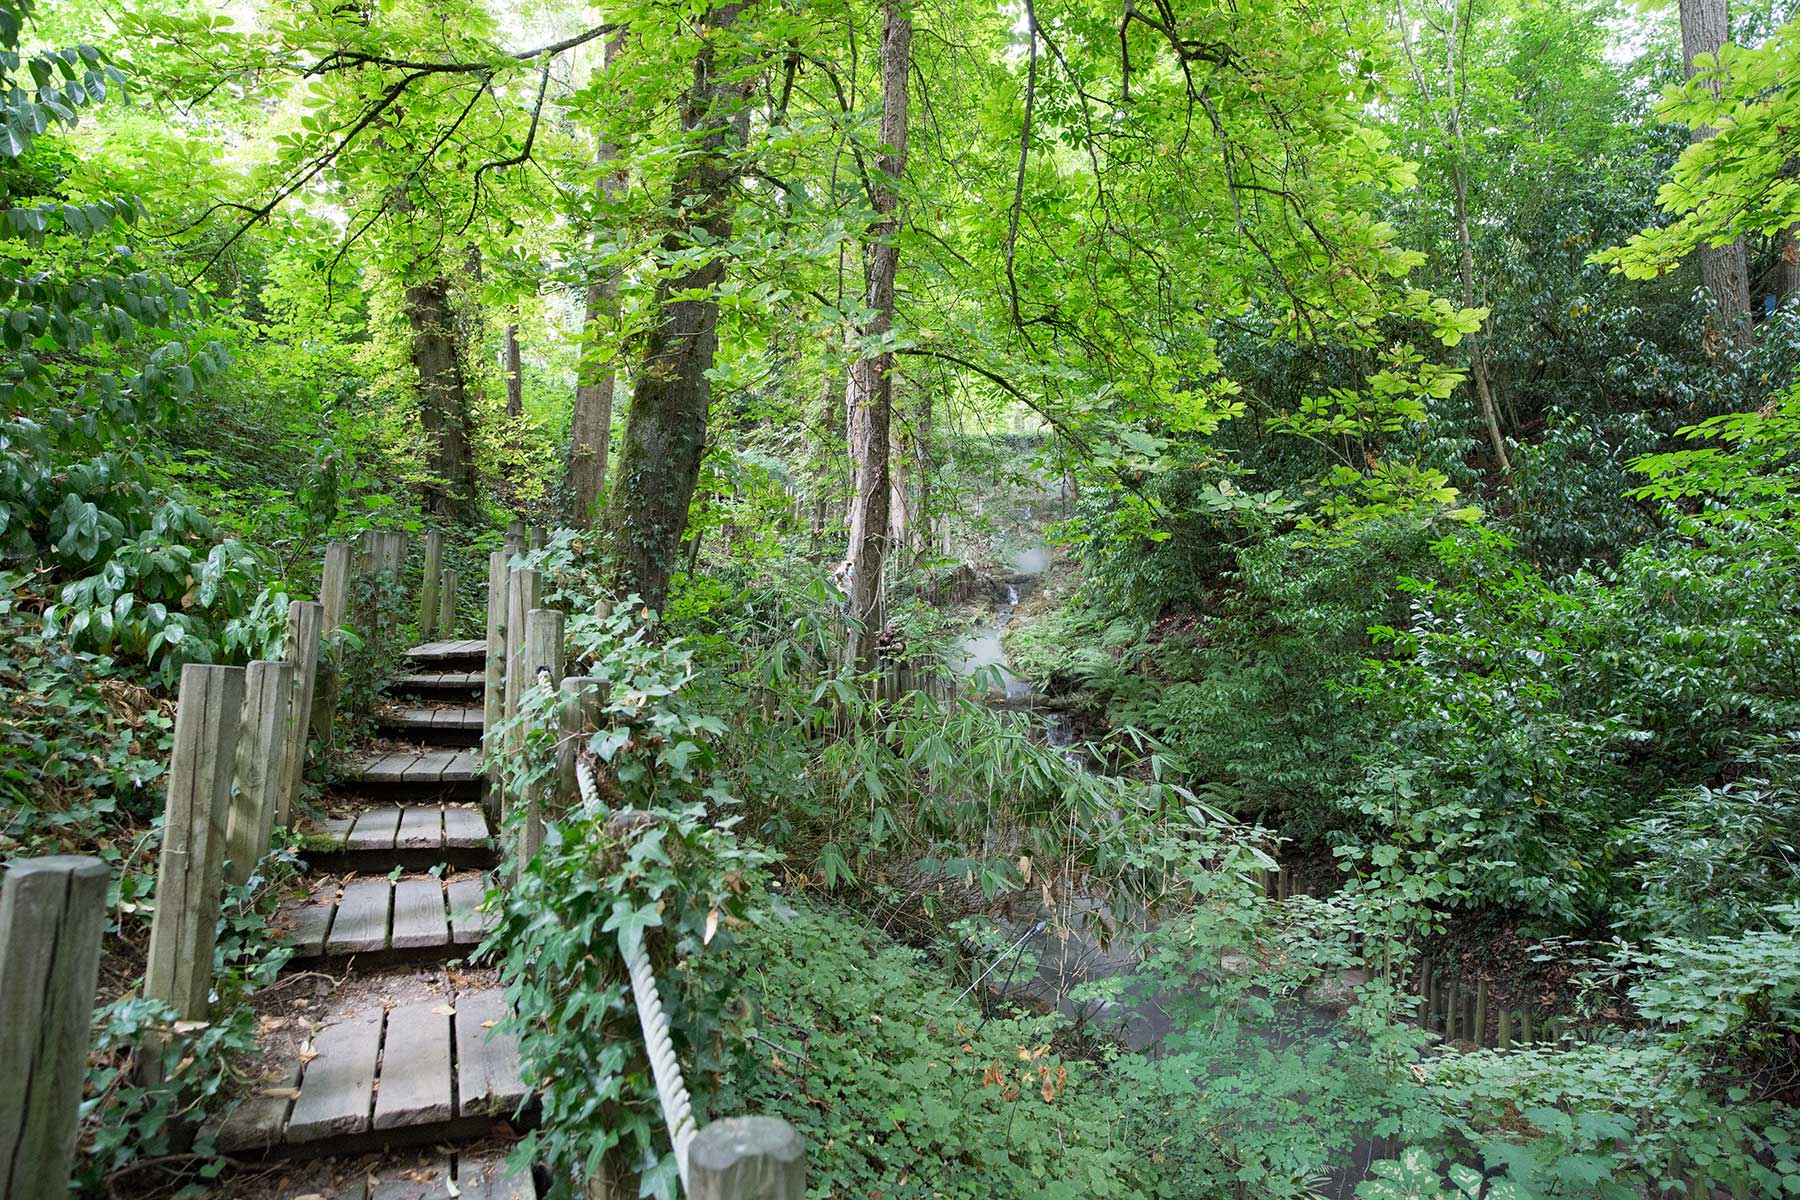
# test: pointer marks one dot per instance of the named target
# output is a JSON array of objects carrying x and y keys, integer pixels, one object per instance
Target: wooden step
[
  {"x": 478, "y": 1176},
  {"x": 416, "y": 683},
  {"x": 378, "y": 920},
  {"x": 414, "y": 837},
  {"x": 419, "y": 1073},
  {"x": 439, "y": 652},
  {"x": 439, "y": 726},
  {"x": 449, "y": 773}
]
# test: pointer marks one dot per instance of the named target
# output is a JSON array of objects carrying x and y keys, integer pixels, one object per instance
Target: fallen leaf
[
  {"x": 445, "y": 1010},
  {"x": 281, "y": 1093},
  {"x": 489, "y": 1024}
]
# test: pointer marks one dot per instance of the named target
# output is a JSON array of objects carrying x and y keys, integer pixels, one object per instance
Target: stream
[{"x": 1073, "y": 945}]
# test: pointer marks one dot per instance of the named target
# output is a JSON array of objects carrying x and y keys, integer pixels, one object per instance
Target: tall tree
[
  {"x": 590, "y": 427},
  {"x": 665, "y": 427},
  {"x": 1706, "y": 26},
  {"x": 871, "y": 388},
  {"x": 1449, "y": 114},
  {"x": 515, "y": 375}
]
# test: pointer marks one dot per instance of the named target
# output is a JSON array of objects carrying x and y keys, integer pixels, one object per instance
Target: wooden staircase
[{"x": 397, "y": 877}]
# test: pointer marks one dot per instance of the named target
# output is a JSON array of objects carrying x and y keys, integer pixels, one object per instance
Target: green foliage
[{"x": 681, "y": 880}]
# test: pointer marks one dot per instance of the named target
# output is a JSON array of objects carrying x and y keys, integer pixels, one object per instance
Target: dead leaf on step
[
  {"x": 308, "y": 1051},
  {"x": 445, "y": 1010},
  {"x": 489, "y": 1024},
  {"x": 281, "y": 1093},
  {"x": 450, "y": 1186}
]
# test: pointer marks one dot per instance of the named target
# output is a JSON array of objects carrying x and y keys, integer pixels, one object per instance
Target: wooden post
[
  {"x": 262, "y": 745},
  {"x": 428, "y": 589},
  {"x": 524, "y": 593},
  {"x": 493, "y": 691},
  {"x": 334, "y": 595},
  {"x": 1284, "y": 884},
  {"x": 1525, "y": 1027},
  {"x": 446, "y": 615},
  {"x": 534, "y": 538},
  {"x": 1424, "y": 991},
  {"x": 582, "y": 697},
  {"x": 1504, "y": 1040},
  {"x": 747, "y": 1158},
  {"x": 334, "y": 587},
  {"x": 51, "y": 913},
  {"x": 543, "y": 654},
  {"x": 515, "y": 538},
  {"x": 1433, "y": 1003},
  {"x": 306, "y": 620},
  {"x": 1480, "y": 1013},
  {"x": 182, "y": 933}
]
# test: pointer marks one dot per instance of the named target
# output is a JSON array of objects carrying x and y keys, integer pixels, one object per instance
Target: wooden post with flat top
[
  {"x": 428, "y": 589},
  {"x": 747, "y": 1158},
  {"x": 51, "y": 913},
  {"x": 446, "y": 615},
  {"x": 262, "y": 744},
  {"x": 190, "y": 875},
  {"x": 306, "y": 622},
  {"x": 493, "y": 688},
  {"x": 525, "y": 591},
  {"x": 334, "y": 595},
  {"x": 543, "y": 661}
]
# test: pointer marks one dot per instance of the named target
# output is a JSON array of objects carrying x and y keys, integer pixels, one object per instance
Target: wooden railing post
[
  {"x": 524, "y": 591},
  {"x": 515, "y": 538},
  {"x": 747, "y": 1158},
  {"x": 446, "y": 615},
  {"x": 334, "y": 596},
  {"x": 188, "y": 879},
  {"x": 261, "y": 753},
  {"x": 51, "y": 914},
  {"x": 534, "y": 538},
  {"x": 306, "y": 621},
  {"x": 428, "y": 589},
  {"x": 543, "y": 653},
  {"x": 493, "y": 691}
]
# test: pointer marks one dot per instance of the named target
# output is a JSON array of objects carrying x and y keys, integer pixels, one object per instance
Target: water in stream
[{"x": 1077, "y": 944}]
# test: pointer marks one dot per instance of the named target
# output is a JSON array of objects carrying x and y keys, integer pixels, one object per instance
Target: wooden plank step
[
  {"x": 488, "y": 1082},
  {"x": 409, "y": 826},
  {"x": 468, "y": 924},
  {"x": 420, "y": 721},
  {"x": 361, "y": 923},
  {"x": 415, "y": 1067},
  {"x": 485, "y": 1177},
  {"x": 424, "y": 1073},
  {"x": 438, "y": 681},
  {"x": 337, "y": 1087},
  {"x": 415, "y": 917},
  {"x": 413, "y": 768},
  {"x": 457, "y": 648},
  {"x": 257, "y": 1121}
]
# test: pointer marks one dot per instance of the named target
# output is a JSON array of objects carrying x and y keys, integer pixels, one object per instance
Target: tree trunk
[
  {"x": 829, "y": 450},
  {"x": 871, "y": 390},
  {"x": 665, "y": 429},
  {"x": 1787, "y": 271},
  {"x": 590, "y": 430},
  {"x": 922, "y": 459},
  {"x": 1705, "y": 26},
  {"x": 515, "y": 378},
  {"x": 443, "y": 395},
  {"x": 1459, "y": 178}
]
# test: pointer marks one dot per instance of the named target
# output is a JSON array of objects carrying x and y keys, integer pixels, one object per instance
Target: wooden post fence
[
  {"x": 51, "y": 913},
  {"x": 428, "y": 588},
  {"x": 269, "y": 709},
  {"x": 182, "y": 933},
  {"x": 306, "y": 622}
]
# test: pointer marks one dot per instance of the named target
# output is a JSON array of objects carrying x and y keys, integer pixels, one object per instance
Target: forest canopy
[{"x": 1294, "y": 499}]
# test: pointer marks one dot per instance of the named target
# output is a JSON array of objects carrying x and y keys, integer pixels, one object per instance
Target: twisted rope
[{"x": 671, "y": 1089}]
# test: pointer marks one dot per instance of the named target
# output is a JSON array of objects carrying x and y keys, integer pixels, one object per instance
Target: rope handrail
[{"x": 671, "y": 1088}]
